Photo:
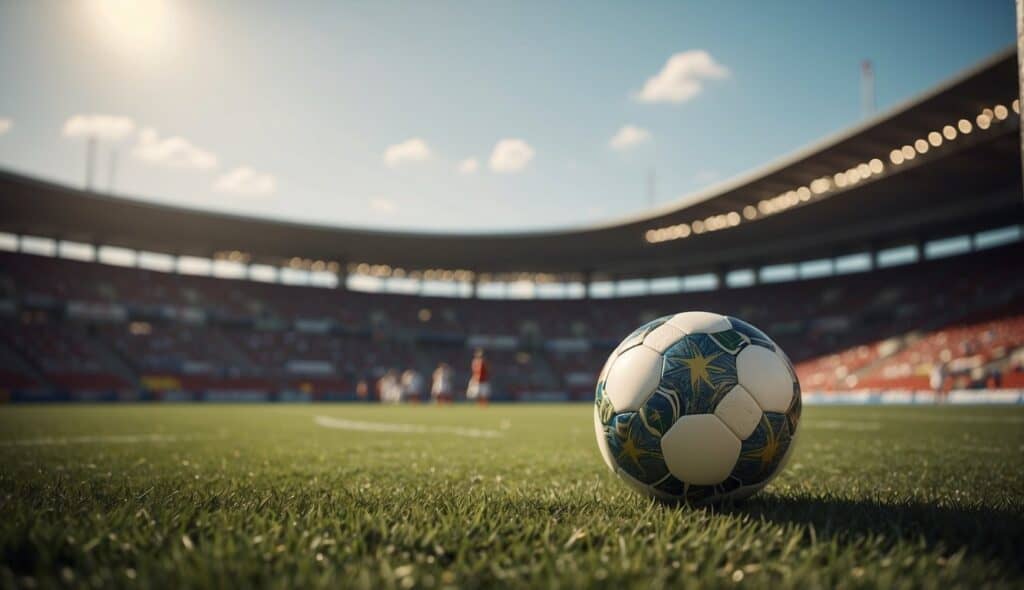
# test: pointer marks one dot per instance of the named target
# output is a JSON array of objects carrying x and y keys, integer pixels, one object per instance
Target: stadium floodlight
[
  {"x": 1000, "y": 112},
  {"x": 896, "y": 157},
  {"x": 935, "y": 138},
  {"x": 921, "y": 146},
  {"x": 965, "y": 126},
  {"x": 949, "y": 132},
  {"x": 983, "y": 121}
]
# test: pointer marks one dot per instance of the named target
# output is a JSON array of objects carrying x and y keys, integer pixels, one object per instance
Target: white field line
[
  {"x": 127, "y": 439},
  {"x": 344, "y": 424}
]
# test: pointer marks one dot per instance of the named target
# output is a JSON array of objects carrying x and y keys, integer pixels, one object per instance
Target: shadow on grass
[{"x": 989, "y": 533}]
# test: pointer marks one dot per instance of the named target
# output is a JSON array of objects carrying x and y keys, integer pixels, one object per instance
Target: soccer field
[{"x": 517, "y": 495}]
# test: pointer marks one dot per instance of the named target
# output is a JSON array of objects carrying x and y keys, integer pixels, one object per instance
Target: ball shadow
[{"x": 989, "y": 533}]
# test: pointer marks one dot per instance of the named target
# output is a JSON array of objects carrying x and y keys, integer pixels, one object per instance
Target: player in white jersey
[{"x": 441, "y": 386}]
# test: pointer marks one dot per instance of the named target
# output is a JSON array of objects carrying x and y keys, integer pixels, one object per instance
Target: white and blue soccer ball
[{"x": 697, "y": 407}]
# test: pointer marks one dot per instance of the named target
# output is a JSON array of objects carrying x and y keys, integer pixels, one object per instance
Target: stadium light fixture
[{"x": 822, "y": 186}]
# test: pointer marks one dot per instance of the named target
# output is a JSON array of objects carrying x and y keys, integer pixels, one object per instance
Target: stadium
[
  {"x": 858, "y": 238},
  {"x": 884, "y": 259}
]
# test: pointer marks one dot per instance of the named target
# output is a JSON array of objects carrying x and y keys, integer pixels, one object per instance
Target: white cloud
[
  {"x": 628, "y": 137},
  {"x": 5, "y": 125},
  {"x": 682, "y": 77},
  {"x": 243, "y": 180},
  {"x": 469, "y": 166},
  {"x": 410, "y": 150},
  {"x": 511, "y": 155},
  {"x": 110, "y": 127},
  {"x": 381, "y": 205},
  {"x": 175, "y": 152}
]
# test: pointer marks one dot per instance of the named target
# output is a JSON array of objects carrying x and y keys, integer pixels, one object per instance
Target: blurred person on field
[
  {"x": 389, "y": 389},
  {"x": 937, "y": 380},
  {"x": 441, "y": 384},
  {"x": 479, "y": 383},
  {"x": 412, "y": 386}
]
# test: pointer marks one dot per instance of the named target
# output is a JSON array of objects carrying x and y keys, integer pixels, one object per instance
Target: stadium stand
[{"x": 86, "y": 327}]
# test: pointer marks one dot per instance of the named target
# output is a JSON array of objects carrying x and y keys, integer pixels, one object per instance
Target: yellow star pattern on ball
[{"x": 700, "y": 367}]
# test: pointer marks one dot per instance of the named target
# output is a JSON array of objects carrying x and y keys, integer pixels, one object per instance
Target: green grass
[{"x": 213, "y": 496}]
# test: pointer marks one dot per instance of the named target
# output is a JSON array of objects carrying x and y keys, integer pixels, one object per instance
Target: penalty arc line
[{"x": 345, "y": 424}]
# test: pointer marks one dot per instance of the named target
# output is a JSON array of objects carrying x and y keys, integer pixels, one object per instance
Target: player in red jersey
[{"x": 479, "y": 384}]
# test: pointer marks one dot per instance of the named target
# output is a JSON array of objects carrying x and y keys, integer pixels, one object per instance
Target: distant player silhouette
[{"x": 479, "y": 383}]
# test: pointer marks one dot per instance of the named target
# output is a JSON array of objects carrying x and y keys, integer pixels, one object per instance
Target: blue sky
[{"x": 365, "y": 113}]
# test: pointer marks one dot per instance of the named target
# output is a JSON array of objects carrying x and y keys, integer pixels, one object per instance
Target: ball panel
[
  {"x": 702, "y": 495},
  {"x": 637, "y": 486},
  {"x": 602, "y": 441},
  {"x": 753, "y": 334},
  {"x": 739, "y": 412},
  {"x": 700, "y": 371},
  {"x": 662, "y": 410},
  {"x": 699, "y": 322},
  {"x": 671, "y": 486},
  {"x": 762, "y": 452},
  {"x": 637, "y": 336},
  {"x": 700, "y": 449},
  {"x": 730, "y": 341},
  {"x": 635, "y": 448},
  {"x": 765, "y": 376},
  {"x": 662, "y": 337},
  {"x": 633, "y": 378},
  {"x": 795, "y": 408}
]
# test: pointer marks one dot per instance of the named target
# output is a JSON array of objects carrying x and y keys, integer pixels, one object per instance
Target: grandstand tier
[{"x": 87, "y": 330}]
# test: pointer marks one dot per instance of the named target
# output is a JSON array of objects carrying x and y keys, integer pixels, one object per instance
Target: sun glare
[{"x": 135, "y": 27}]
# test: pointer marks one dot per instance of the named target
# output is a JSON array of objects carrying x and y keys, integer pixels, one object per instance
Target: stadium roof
[{"x": 969, "y": 183}]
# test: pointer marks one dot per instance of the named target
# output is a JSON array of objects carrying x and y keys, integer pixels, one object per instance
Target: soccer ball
[{"x": 697, "y": 407}]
